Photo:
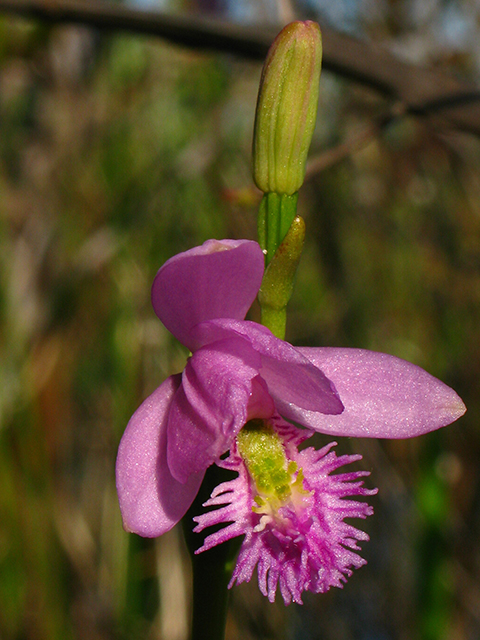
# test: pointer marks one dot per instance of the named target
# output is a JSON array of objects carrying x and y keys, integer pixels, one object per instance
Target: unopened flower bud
[
  {"x": 287, "y": 108},
  {"x": 277, "y": 284}
]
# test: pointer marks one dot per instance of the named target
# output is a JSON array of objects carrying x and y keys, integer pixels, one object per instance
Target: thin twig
[
  {"x": 372, "y": 130},
  {"x": 354, "y": 143}
]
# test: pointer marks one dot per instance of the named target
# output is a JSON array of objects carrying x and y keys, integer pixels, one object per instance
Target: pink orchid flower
[{"x": 240, "y": 373}]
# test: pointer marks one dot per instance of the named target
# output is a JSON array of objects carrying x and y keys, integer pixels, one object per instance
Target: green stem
[
  {"x": 275, "y": 320},
  {"x": 211, "y": 569},
  {"x": 276, "y": 214}
]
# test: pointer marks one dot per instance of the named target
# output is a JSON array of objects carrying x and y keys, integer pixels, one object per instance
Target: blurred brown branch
[
  {"x": 419, "y": 90},
  {"x": 334, "y": 155}
]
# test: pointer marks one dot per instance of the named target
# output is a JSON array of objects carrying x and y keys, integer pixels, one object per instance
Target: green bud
[
  {"x": 278, "y": 280},
  {"x": 287, "y": 108},
  {"x": 277, "y": 284}
]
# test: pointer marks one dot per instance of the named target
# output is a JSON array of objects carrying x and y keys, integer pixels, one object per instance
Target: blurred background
[{"x": 118, "y": 151}]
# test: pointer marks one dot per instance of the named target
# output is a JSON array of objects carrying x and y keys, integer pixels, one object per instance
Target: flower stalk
[{"x": 275, "y": 216}]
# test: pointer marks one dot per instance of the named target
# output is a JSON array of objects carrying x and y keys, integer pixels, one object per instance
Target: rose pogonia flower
[
  {"x": 290, "y": 510},
  {"x": 239, "y": 372}
]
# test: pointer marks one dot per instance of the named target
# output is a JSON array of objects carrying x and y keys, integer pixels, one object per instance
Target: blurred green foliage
[{"x": 117, "y": 152}]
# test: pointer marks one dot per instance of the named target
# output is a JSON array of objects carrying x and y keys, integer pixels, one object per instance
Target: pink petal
[
  {"x": 290, "y": 376},
  {"x": 384, "y": 396},
  {"x": 219, "y": 279},
  {"x": 151, "y": 500},
  {"x": 211, "y": 405},
  {"x": 260, "y": 403}
]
